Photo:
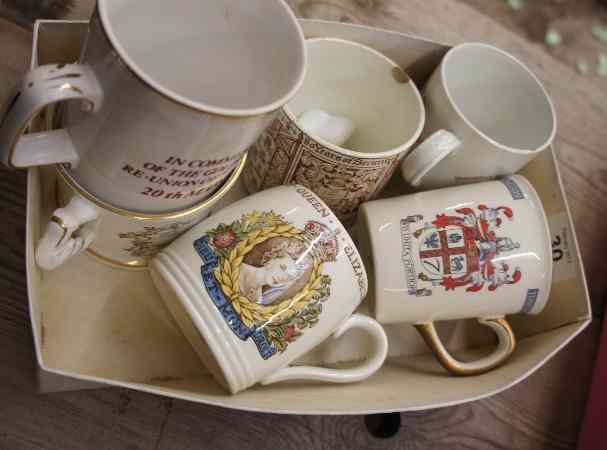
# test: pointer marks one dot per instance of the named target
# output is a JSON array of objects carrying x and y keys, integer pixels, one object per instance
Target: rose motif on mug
[
  {"x": 224, "y": 239},
  {"x": 458, "y": 251},
  {"x": 265, "y": 275}
]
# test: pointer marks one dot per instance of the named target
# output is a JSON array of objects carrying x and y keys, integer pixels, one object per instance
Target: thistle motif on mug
[
  {"x": 265, "y": 276},
  {"x": 458, "y": 251},
  {"x": 150, "y": 240}
]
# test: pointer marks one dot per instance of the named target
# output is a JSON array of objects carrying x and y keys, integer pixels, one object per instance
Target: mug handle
[
  {"x": 354, "y": 374},
  {"x": 41, "y": 87},
  {"x": 65, "y": 235},
  {"x": 427, "y": 155},
  {"x": 505, "y": 348}
]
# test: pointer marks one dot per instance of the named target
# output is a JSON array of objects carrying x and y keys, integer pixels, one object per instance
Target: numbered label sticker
[{"x": 563, "y": 249}]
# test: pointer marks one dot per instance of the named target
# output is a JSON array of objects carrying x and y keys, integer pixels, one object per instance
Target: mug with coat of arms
[
  {"x": 262, "y": 282},
  {"x": 476, "y": 251}
]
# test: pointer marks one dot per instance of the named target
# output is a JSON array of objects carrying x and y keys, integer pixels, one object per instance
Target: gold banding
[
  {"x": 59, "y": 221},
  {"x": 74, "y": 186},
  {"x": 430, "y": 336},
  {"x": 69, "y": 87},
  {"x": 131, "y": 265}
]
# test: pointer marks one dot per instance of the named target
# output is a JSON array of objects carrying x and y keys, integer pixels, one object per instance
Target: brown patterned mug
[{"x": 347, "y": 80}]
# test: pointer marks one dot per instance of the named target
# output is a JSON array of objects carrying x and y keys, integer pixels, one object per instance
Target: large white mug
[
  {"x": 264, "y": 281},
  {"x": 476, "y": 251},
  {"x": 167, "y": 99},
  {"x": 487, "y": 116}
]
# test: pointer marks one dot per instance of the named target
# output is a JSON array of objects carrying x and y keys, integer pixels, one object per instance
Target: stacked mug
[{"x": 156, "y": 117}]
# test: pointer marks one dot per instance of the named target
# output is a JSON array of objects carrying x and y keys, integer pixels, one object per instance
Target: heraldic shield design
[
  {"x": 458, "y": 251},
  {"x": 265, "y": 276}
]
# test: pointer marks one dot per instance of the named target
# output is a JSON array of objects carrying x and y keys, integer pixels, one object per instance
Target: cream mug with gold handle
[
  {"x": 163, "y": 103},
  {"x": 475, "y": 251}
]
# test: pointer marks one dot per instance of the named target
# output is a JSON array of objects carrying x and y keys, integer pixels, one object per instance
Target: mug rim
[
  {"x": 367, "y": 155},
  {"x": 62, "y": 171},
  {"x": 468, "y": 122},
  {"x": 101, "y": 10}
]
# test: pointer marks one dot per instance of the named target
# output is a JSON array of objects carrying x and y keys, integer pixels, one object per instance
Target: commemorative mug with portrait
[
  {"x": 165, "y": 100},
  {"x": 345, "y": 131},
  {"x": 487, "y": 116},
  {"x": 262, "y": 282},
  {"x": 475, "y": 251},
  {"x": 116, "y": 237}
]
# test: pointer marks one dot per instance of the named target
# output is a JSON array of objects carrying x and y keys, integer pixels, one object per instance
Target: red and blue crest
[{"x": 462, "y": 250}]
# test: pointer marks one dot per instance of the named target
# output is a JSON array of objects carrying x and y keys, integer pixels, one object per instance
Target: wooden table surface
[{"x": 543, "y": 412}]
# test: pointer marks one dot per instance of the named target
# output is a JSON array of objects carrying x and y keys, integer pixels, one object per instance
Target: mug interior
[
  {"x": 499, "y": 96},
  {"x": 228, "y": 57},
  {"x": 350, "y": 80}
]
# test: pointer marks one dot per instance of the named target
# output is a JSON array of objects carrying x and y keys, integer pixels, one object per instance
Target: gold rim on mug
[
  {"x": 74, "y": 186},
  {"x": 132, "y": 265}
]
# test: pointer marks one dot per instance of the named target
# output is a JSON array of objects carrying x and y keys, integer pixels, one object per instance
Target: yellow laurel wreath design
[{"x": 228, "y": 277}]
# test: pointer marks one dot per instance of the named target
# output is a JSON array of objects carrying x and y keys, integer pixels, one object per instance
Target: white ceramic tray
[{"x": 97, "y": 324}]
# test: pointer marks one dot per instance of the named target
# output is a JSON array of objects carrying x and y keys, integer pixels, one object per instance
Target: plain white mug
[
  {"x": 263, "y": 281},
  {"x": 476, "y": 251},
  {"x": 487, "y": 116},
  {"x": 167, "y": 99}
]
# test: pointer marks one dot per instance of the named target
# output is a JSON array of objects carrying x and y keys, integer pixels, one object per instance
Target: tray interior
[{"x": 100, "y": 324}]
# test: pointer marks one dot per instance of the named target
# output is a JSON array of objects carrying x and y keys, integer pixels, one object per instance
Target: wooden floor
[
  {"x": 543, "y": 412},
  {"x": 571, "y": 19}
]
